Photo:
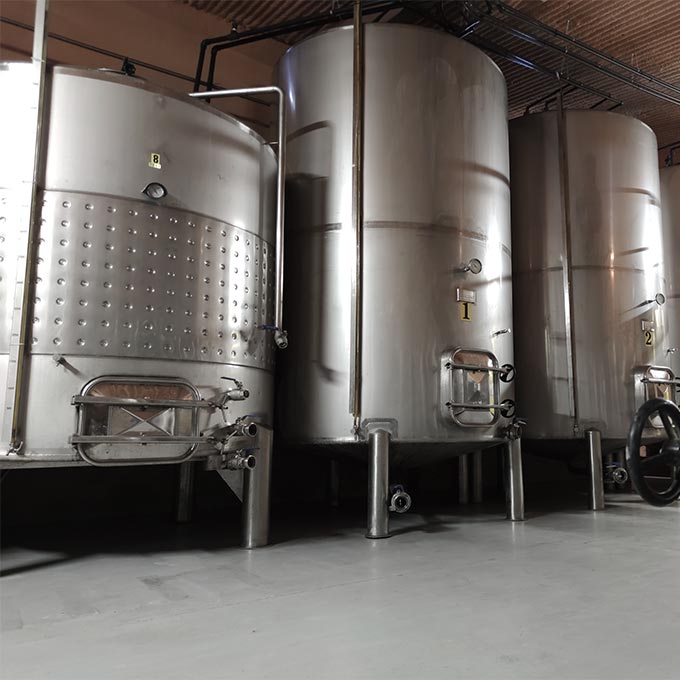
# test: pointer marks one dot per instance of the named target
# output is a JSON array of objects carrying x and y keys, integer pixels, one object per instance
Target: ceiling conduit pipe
[
  {"x": 502, "y": 7},
  {"x": 236, "y": 39},
  {"x": 564, "y": 52},
  {"x": 497, "y": 50}
]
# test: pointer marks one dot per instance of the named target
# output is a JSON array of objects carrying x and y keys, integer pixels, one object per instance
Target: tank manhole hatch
[
  {"x": 470, "y": 388},
  {"x": 124, "y": 420}
]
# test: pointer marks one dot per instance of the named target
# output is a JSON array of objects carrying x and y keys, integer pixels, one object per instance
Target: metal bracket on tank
[
  {"x": 369, "y": 425},
  {"x": 459, "y": 371}
]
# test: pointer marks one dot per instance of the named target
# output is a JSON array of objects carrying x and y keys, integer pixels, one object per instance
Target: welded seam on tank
[
  {"x": 157, "y": 206},
  {"x": 407, "y": 226},
  {"x": 583, "y": 267}
]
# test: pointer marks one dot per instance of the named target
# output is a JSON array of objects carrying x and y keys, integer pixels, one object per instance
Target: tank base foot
[
  {"x": 463, "y": 479},
  {"x": 256, "y": 487},
  {"x": 184, "y": 497},
  {"x": 514, "y": 482},
  {"x": 596, "y": 489},
  {"x": 378, "y": 522},
  {"x": 477, "y": 477}
]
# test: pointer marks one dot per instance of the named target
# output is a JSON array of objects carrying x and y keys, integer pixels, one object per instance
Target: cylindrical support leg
[
  {"x": 514, "y": 483},
  {"x": 620, "y": 458},
  {"x": 477, "y": 478},
  {"x": 378, "y": 484},
  {"x": 463, "y": 479},
  {"x": 596, "y": 491},
  {"x": 608, "y": 463},
  {"x": 334, "y": 483},
  {"x": 256, "y": 485},
  {"x": 184, "y": 499}
]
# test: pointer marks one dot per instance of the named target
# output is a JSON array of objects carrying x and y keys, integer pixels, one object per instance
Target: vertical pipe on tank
[
  {"x": 28, "y": 233},
  {"x": 463, "y": 480},
  {"x": 256, "y": 483},
  {"x": 567, "y": 277},
  {"x": 596, "y": 490},
  {"x": 280, "y": 335},
  {"x": 378, "y": 484},
  {"x": 357, "y": 214}
]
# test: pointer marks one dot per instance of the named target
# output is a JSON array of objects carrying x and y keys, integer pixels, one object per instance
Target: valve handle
[
  {"x": 508, "y": 374},
  {"x": 641, "y": 467}
]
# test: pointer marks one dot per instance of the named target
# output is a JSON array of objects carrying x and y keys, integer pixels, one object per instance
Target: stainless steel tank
[
  {"x": 436, "y": 301},
  {"x": 589, "y": 291},
  {"x": 153, "y": 278},
  {"x": 670, "y": 210}
]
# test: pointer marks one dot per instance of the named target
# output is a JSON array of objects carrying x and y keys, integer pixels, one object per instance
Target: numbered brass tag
[{"x": 465, "y": 309}]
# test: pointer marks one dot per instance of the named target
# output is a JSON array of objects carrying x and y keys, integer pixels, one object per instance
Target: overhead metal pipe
[
  {"x": 228, "y": 41},
  {"x": 121, "y": 57},
  {"x": 497, "y": 50},
  {"x": 552, "y": 96},
  {"x": 583, "y": 46},
  {"x": 564, "y": 52}
]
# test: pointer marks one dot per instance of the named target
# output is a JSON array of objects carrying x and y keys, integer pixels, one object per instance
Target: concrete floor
[{"x": 567, "y": 594}]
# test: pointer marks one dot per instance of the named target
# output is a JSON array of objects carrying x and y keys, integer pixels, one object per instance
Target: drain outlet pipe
[
  {"x": 240, "y": 461},
  {"x": 400, "y": 501},
  {"x": 242, "y": 428}
]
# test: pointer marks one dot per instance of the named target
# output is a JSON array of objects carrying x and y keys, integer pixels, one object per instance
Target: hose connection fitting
[
  {"x": 400, "y": 500},
  {"x": 240, "y": 460}
]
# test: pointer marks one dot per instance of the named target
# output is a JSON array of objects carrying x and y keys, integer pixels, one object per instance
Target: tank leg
[
  {"x": 596, "y": 490},
  {"x": 334, "y": 483},
  {"x": 608, "y": 464},
  {"x": 463, "y": 479},
  {"x": 620, "y": 459},
  {"x": 378, "y": 484},
  {"x": 184, "y": 499},
  {"x": 477, "y": 478},
  {"x": 256, "y": 485},
  {"x": 514, "y": 483}
]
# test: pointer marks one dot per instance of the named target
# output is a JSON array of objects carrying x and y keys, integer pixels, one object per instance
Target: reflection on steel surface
[
  {"x": 155, "y": 258},
  {"x": 436, "y": 194},
  {"x": 585, "y": 200}
]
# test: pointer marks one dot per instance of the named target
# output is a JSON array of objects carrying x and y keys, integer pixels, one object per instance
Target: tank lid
[
  {"x": 120, "y": 78},
  {"x": 396, "y": 26}
]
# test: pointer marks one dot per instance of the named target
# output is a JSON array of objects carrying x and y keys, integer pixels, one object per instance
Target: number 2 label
[{"x": 649, "y": 338}]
